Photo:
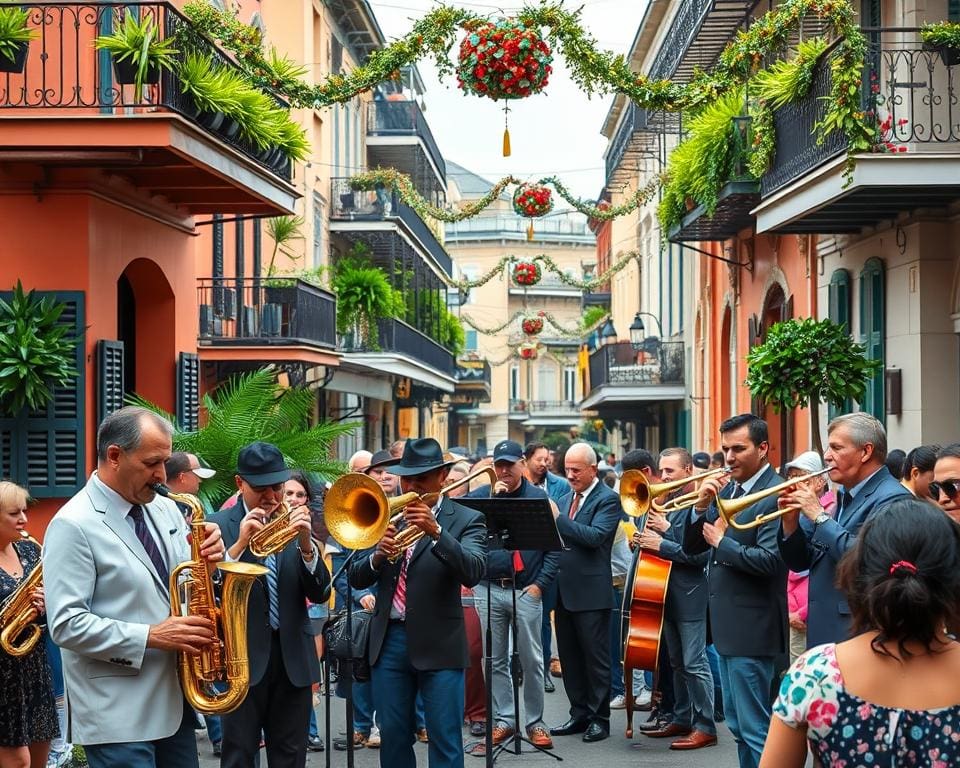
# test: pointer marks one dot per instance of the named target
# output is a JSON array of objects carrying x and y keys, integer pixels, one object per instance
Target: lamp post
[
  {"x": 609, "y": 334},
  {"x": 638, "y": 330}
]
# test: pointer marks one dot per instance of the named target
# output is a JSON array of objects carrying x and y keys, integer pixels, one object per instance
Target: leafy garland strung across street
[
  {"x": 391, "y": 178},
  {"x": 589, "y": 285},
  {"x": 572, "y": 332},
  {"x": 594, "y": 70}
]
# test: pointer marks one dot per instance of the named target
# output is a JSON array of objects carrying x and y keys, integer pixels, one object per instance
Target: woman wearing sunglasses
[{"x": 945, "y": 488}]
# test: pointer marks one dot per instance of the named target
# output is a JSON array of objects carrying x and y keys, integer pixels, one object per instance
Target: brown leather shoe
[
  {"x": 539, "y": 737},
  {"x": 695, "y": 740},
  {"x": 670, "y": 730},
  {"x": 555, "y": 669},
  {"x": 501, "y": 733}
]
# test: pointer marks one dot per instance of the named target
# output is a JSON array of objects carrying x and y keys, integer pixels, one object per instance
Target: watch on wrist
[{"x": 821, "y": 518}]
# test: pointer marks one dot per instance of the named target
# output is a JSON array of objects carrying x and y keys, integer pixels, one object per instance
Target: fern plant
[
  {"x": 137, "y": 42},
  {"x": 789, "y": 80},
  {"x": 254, "y": 407},
  {"x": 364, "y": 295}
]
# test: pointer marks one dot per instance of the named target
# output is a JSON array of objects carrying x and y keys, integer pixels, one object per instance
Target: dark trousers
[
  {"x": 549, "y": 603},
  {"x": 280, "y": 709},
  {"x": 475, "y": 704},
  {"x": 583, "y": 639},
  {"x": 176, "y": 751}
]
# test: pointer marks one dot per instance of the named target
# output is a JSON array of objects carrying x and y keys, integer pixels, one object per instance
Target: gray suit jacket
[
  {"x": 820, "y": 548},
  {"x": 687, "y": 588},
  {"x": 103, "y": 593}
]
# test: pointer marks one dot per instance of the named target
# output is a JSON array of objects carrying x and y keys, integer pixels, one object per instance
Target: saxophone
[
  {"x": 18, "y": 614},
  {"x": 225, "y": 660}
]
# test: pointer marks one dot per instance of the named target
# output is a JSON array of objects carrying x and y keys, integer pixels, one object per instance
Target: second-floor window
[
  {"x": 570, "y": 383},
  {"x": 470, "y": 344},
  {"x": 317, "y": 230},
  {"x": 514, "y": 382}
]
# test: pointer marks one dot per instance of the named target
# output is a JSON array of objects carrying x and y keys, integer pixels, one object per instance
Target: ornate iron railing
[
  {"x": 397, "y": 336},
  {"x": 552, "y": 406},
  {"x": 404, "y": 118},
  {"x": 682, "y": 31},
  {"x": 910, "y": 92},
  {"x": 64, "y": 71},
  {"x": 269, "y": 311},
  {"x": 656, "y": 362}
]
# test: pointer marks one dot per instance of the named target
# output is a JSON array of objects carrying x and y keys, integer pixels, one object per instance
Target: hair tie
[{"x": 905, "y": 565}]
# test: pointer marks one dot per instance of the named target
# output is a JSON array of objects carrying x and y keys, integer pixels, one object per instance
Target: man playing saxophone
[
  {"x": 283, "y": 657},
  {"x": 107, "y": 557}
]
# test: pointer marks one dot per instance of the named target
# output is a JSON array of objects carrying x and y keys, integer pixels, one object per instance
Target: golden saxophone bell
[
  {"x": 730, "y": 508},
  {"x": 275, "y": 535},
  {"x": 19, "y": 630},
  {"x": 226, "y": 660}
]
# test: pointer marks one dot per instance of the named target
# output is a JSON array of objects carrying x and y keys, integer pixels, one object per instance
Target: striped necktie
[
  {"x": 273, "y": 574},
  {"x": 149, "y": 543}
]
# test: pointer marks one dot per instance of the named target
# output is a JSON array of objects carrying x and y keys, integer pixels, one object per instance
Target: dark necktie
[
  {"x": 273, "y": 596},
  {"x": 843, "y": 501},
  {"x": 737, "y": 492},
  {"x": 574, "y": 506},
  {"x": 149, "y": 544}
]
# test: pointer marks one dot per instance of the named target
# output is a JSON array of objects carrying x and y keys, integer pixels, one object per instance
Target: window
[
  {"x": 953, "y": 10},
  {"x": 514, "y": 382},
  {"x": 838, "y": 310},
  {"x": 570, "y": 384},
  {"x": 317, "y": 230},
  {"x": 471, "y": 341},
  {"x": 873, "y": 331}
]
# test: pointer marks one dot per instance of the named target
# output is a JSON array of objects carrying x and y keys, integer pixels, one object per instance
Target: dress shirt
[
  {"x": 852, "y": 492},
  {"x": 746, "y": 485},
  {"x": 585, "y": 493},
  {"x": 123, "y": 506}
]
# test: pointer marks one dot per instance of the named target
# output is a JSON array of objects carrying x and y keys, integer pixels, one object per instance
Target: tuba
[
  {"x": 226, "y": 659},
  {"x": 275, "y": 535},
  {"x": 18, "y": 615}
]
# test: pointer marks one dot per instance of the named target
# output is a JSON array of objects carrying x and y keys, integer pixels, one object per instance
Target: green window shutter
[
  {"x": 873, "y": 332},
  {"x": 44, "y": 450},
  {"x": 953, "y": 10},
  {"x": 188, "y": 391},
  {"x": 110, "y": 378},
  {"x": 838, "y": 310}
]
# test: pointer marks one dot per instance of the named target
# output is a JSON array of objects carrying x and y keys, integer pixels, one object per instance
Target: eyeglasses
[{"x": 950, "y": 487}]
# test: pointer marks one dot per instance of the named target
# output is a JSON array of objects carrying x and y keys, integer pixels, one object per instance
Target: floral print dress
[
  {"x": 845, "y": 731},
  {"x": 27, "y": 708}
]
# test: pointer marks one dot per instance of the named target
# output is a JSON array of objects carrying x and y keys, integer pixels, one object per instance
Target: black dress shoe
[
  {"x": 573, "y": 725},
  {"x": 548, "y": 685},
  {"x": 315, "y": 744},
  {"x": 596, "y": 732}
]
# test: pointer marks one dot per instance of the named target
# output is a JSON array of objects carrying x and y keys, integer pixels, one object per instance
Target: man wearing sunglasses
[
  {"x": 945, "y": 488},
  {"x": 283, "y": 657}
]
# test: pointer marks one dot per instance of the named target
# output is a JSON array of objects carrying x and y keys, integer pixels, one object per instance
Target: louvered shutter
[
  {"x": 188, "y": 391},
  {"x": 838, "y": 310},
  {"x": 110, "y": 379}
]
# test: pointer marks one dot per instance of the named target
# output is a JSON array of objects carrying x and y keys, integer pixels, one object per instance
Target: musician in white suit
[{"x": 106, "y": 561}]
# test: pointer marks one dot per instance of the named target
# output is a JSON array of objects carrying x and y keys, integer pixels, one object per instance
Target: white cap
[
  {"x": 807, "y": 462},
  {"x": 204, "y": 473}
]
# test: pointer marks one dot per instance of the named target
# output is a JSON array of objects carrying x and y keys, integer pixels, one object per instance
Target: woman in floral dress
[
  {"x": 888, "y": 697},
  {"x": 28, "y": 714}
]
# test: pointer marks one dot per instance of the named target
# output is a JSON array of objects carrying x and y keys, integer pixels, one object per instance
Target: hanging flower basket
[
  {"x": 532, "y": 200},
  {"x": 526, "y": 273},
  {"x": 505, "y": 59},
  {"x": 532, "y": 325},
  {"x": 527, "y": 351}
]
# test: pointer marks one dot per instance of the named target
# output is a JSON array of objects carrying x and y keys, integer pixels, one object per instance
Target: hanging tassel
[
  {"x": 530, "y": 231},
  {"x": 506, "y": 142}
]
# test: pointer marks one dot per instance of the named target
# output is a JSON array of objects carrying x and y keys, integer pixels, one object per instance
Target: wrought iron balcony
[
  {"x": 655, "y": 363},
  {"x": 518, "y": 408},
  {"x": 260, "y": 311},
  {"x": 910, "y": 89},
  {"x": 635, "y": 141},
  {"x": 540, "y": 407},
  {"x": 404, "y": 118},
  {"x": 398, "y": 337},
  {"x": 474, "y": 377},
  {"x": 65, "y": 76},
  {"x": 350, "y": 205}
]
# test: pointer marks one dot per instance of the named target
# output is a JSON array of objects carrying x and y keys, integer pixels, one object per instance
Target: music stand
[{"x": 513, "y": 524}]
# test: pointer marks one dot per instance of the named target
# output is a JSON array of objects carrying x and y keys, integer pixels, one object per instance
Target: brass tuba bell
[{"x": 18, "y": 614}]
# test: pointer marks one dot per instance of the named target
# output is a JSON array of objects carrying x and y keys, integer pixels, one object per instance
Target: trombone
[
  {"x": 730, "y": 508},
  {"x": 358, "y": 512},
  {"x": 637, "y": 494}
]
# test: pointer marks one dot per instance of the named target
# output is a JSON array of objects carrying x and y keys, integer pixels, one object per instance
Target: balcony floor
[
  {"x": 622, "y": 397},
  {"x": 397, "y": 364},
  {"x": 732, "y": 214},
  {"x": 160, "y": 154}
]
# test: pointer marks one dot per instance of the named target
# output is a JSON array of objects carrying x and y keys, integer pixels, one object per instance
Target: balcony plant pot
[
  {"x": 125, "y": 73},
  {"x": 949, "y": 55},
  {"x": 19, "y": 59},
  {"x": 209, "y": 120}
]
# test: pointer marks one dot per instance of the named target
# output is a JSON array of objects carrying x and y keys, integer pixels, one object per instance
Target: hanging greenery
[
  {"x": 592, "y": 69},
  {"x": 566, "y": 331},
  {"x": 532, "y": 200}
]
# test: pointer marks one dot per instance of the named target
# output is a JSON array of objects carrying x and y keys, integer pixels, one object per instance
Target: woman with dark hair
[
  {"x": 894, "y": 462},
  {"x": 888, "y": 696},
  {"x": 918, "y": 470}
]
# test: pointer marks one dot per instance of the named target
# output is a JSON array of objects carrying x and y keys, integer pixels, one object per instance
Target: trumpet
[
  {"x": 637, "y": 494},
  {"x": 730, "y": 508},
  {"x": 358, "y": 512},
  {"x": 18, "y": 615},
  {"x": 275, "y": 535}
]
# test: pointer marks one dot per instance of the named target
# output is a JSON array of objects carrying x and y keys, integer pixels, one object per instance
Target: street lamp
[
  {"x": 609, "y": 334},
  {"x": 638, "y": 330}
]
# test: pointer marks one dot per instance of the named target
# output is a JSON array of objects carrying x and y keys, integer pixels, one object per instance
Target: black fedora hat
[
  {"x": 262, "y": 464},
  {"x": 420, "y": 456}
]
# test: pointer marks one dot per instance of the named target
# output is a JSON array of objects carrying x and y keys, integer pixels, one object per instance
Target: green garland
[
  {"x": 549, "y": 265},
  {"x": 594, "y": 70},
  {"x": 566, "y": 331},
  {"x": 391, "y": 178}
]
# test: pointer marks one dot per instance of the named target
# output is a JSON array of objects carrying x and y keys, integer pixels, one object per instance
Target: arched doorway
[
  {"x": 146, "y": 324},
  {"x": 777, "y": 308},
  {"x": 723, "y": 370}
]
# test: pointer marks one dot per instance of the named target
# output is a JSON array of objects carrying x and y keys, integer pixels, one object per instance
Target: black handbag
[{"x": 337, "y": 645}]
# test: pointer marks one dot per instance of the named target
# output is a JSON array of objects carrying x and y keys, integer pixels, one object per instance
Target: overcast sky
[{"x": 554, "y": 132}]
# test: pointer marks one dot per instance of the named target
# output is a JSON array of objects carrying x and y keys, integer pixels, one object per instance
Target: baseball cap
[
  {"x": 204, "y": 473},
  {"x": 807, "y": 462},
  {"x": 507, "y": 450}
]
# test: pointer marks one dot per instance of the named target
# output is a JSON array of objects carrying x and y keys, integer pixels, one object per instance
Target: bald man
[{"x": 359, "y": 461}]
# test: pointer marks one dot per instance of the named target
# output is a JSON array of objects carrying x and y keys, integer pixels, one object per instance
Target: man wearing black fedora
[
  {"x": 283, "y": 657},
  {"x": 417, "y": 636}
]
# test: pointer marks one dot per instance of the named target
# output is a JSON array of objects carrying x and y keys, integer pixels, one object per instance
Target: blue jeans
[
  {"x": 363, "y": 710},
  {"x": 714, "y": 660},
  {"x": 177, "y": 751},
  {"x": 395, "y": 685},
  {"x": 746, "y": 684},
  {"x": 692, "y": 678}
]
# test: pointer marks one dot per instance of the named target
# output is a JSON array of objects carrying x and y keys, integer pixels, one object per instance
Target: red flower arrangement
[
  {"x": 532, "y": 200},
  {"x": 532, "y": 325},
  {"x": 526, "y": 273},
  {"x": 527, "y": 351},
  {"x": 887, "y": 133},
  {"x": 505, "y": 59}
]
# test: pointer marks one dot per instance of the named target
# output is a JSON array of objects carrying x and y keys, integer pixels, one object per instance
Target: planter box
[
  {"x": 125, "y": 73},
  {"x": 19, "y": 59},
  {"x": 949, "y": 54}
]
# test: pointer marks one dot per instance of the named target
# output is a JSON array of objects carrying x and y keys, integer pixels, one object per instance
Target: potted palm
[
  {"x": 15, "y": 35},
  {"x": 138, "y": 53}
]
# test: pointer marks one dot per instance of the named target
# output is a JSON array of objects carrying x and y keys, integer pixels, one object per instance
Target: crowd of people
[{"x": 826, "y": 627}]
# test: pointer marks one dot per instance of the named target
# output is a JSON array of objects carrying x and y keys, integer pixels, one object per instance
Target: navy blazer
[
  {"x": 295, "y": 585},
  {"x": 819, "y": 549},
  {"x": 687, "y": 588},
  {"x": 746, "y": 578},
  {"x": 585, "y": 579}
]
